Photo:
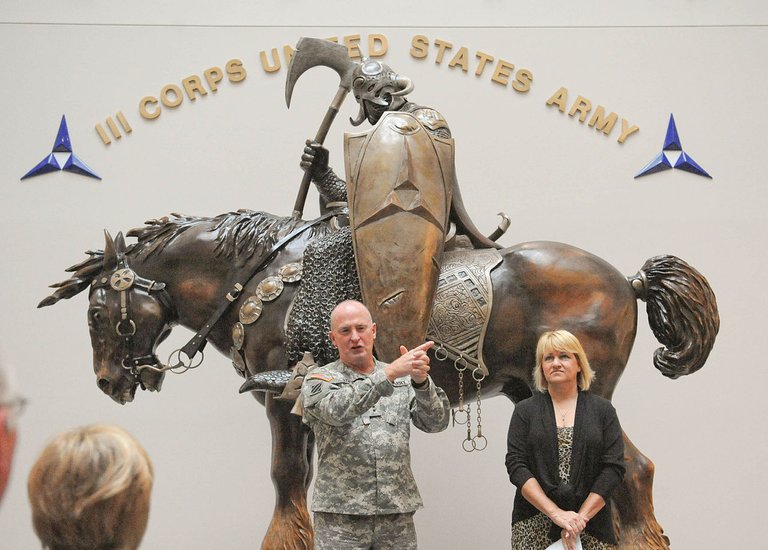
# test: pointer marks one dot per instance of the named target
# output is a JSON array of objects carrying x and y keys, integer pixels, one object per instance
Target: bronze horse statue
[{"x": 182, "y": 267}]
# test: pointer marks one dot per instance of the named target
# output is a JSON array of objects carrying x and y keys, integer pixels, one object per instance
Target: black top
[{"x": 597, "y": 458}]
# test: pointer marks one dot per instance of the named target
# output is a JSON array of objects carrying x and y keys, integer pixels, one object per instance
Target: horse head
[{"x": 128, "y": 317}]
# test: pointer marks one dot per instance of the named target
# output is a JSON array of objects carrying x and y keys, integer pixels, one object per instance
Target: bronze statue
[
  {"x": 403, "y": 200},
  {"x": 260, "y": 289},
  {"x": 181, "y": 271}
]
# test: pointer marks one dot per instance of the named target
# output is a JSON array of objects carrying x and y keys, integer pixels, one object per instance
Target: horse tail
[{"x": 682, "y": 313}]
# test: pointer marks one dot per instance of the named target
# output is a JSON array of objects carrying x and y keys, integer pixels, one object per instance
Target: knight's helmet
[{"x": 377, "y": 88}]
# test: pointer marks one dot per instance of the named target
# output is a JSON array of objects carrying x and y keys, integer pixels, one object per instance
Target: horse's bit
[{"x": 122, "y": 280}]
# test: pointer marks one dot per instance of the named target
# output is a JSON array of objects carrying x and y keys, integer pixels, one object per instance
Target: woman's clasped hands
[{"x": 572, "y": 524}]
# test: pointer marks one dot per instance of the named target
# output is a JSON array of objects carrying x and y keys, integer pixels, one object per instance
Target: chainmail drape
[{"x": 329, "y": 277}]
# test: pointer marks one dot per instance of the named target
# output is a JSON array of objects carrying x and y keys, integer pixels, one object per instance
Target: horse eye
[{"x": 95, "y": 316}]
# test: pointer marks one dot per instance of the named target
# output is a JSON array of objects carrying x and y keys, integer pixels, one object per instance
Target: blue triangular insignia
[
  {"x": 683, "y": 162},
  {"x": 61, "y": 145}
]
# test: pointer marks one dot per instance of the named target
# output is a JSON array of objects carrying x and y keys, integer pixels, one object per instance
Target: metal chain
[
  {"x": 460, "y": 364},
  {"x": 176, "y": 367},
  {"x": 462, "y": 415},
  {"x": 468, "y": 444},
  {"x": 479, "y": 442}
]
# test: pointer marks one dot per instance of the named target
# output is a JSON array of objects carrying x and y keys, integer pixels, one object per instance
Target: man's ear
[{"x": 333, "y": 340}]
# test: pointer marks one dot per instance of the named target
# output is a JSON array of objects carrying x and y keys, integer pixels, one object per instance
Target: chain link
[
  {"x": 468, "y": 444},
  {"x": 479, "y": 442},
  {"x": 462, "y": 415},
  {"x": 461, "y": 409}
]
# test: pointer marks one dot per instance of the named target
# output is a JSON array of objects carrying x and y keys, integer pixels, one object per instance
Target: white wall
[{"x": 557, "y": 178}]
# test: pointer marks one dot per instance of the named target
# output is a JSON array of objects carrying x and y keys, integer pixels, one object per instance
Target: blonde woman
[
  {"x": 565, "y": 453},
  {"x": 90, "y": 488}
]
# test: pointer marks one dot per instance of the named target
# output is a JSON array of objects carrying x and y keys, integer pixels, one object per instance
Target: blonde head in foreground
[{"x": 90, "y": 488}]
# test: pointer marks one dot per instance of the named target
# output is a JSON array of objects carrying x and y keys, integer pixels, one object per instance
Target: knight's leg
[
  {"x": 636, "y": 524},
  {"x": 329, "y": 277},
  {"x": 291, "y": 526}
]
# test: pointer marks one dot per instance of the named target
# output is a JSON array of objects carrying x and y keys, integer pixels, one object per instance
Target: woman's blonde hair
[
  {"x": 90, "y": 488},
  {"x": 561, "y": 340}
]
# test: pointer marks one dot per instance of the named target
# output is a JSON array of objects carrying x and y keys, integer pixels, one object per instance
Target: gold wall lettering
[
  {"x": 171, "y": 95},
  {"x": 497, "y": 70},
  {"x": 599, "y": 121},
  {"x": 500, "y": 74}
]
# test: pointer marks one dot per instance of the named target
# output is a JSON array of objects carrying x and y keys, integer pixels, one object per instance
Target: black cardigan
[{"x": 597, "y": 458}]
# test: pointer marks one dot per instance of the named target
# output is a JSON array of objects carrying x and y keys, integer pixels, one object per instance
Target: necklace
[{"x": 564, "y": 413}]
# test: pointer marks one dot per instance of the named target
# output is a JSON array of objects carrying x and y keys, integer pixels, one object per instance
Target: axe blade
[{"x": 314, "y": 52}]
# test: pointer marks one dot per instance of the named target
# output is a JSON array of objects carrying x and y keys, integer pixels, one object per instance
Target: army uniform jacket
[{"x": 362, "y": 429}]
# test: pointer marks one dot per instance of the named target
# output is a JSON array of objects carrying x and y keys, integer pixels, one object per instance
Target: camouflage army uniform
[
  {"x": 362, "y": 428},
  {"x": 348, "y": 532}
]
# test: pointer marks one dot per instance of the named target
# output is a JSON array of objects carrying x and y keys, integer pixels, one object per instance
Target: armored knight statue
[
  {"x": 379, "y": 90},
  {"x": 403, "y": 202}
]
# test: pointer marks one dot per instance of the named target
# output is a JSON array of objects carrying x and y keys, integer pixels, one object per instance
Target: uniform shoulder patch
[{"x": 324, "y": 376}]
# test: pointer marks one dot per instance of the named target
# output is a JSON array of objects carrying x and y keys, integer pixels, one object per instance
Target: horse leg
[
  {"x": 634, "y": 518},
  {"x": 635, "y": 522},
  {"x": 291, "y": 526},
  {"x": 310, "y": 455}
]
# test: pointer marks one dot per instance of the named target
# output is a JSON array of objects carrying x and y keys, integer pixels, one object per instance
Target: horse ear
[
  {"x": 120, "y": 245},
  {"x": 110, "y": 254}
]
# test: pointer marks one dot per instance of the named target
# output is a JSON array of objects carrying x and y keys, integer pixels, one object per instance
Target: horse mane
[
  {"x": 241, "y": 234},
  {"x": 244, "y": 233}
]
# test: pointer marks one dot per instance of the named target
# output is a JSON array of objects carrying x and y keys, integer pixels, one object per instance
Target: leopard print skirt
[{"x": 531, "y": 533}]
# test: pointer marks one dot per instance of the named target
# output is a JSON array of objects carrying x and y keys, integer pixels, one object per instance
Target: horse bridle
[{"x": 122, "y": 280}]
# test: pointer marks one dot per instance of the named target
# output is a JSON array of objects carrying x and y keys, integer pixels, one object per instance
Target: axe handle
[{"x": 322, "y": 132}]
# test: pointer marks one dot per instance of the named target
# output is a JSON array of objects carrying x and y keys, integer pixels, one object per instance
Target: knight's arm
[
  {"x": 464, "y": 223},
  {"x": 314, "y": 160}
]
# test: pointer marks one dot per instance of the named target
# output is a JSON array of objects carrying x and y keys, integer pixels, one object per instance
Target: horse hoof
[{"x": 649, "y": 537}]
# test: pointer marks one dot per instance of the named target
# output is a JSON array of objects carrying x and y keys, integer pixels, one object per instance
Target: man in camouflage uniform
[{"x": 360, "y": 410}]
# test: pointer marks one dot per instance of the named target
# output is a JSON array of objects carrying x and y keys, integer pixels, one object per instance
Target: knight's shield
[{"x": 399, "y": 181}]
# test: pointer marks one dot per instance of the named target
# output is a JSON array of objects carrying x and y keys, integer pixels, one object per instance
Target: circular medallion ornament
[
  {"x": 122, "y": 279},
  {"x": 238, "y": 362},
  {"x": 269, "y": 289},
  {"x": 290, "y": 273},
  {"x": 251, "y": 310},
  {"x": 238, "y": 335}
]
